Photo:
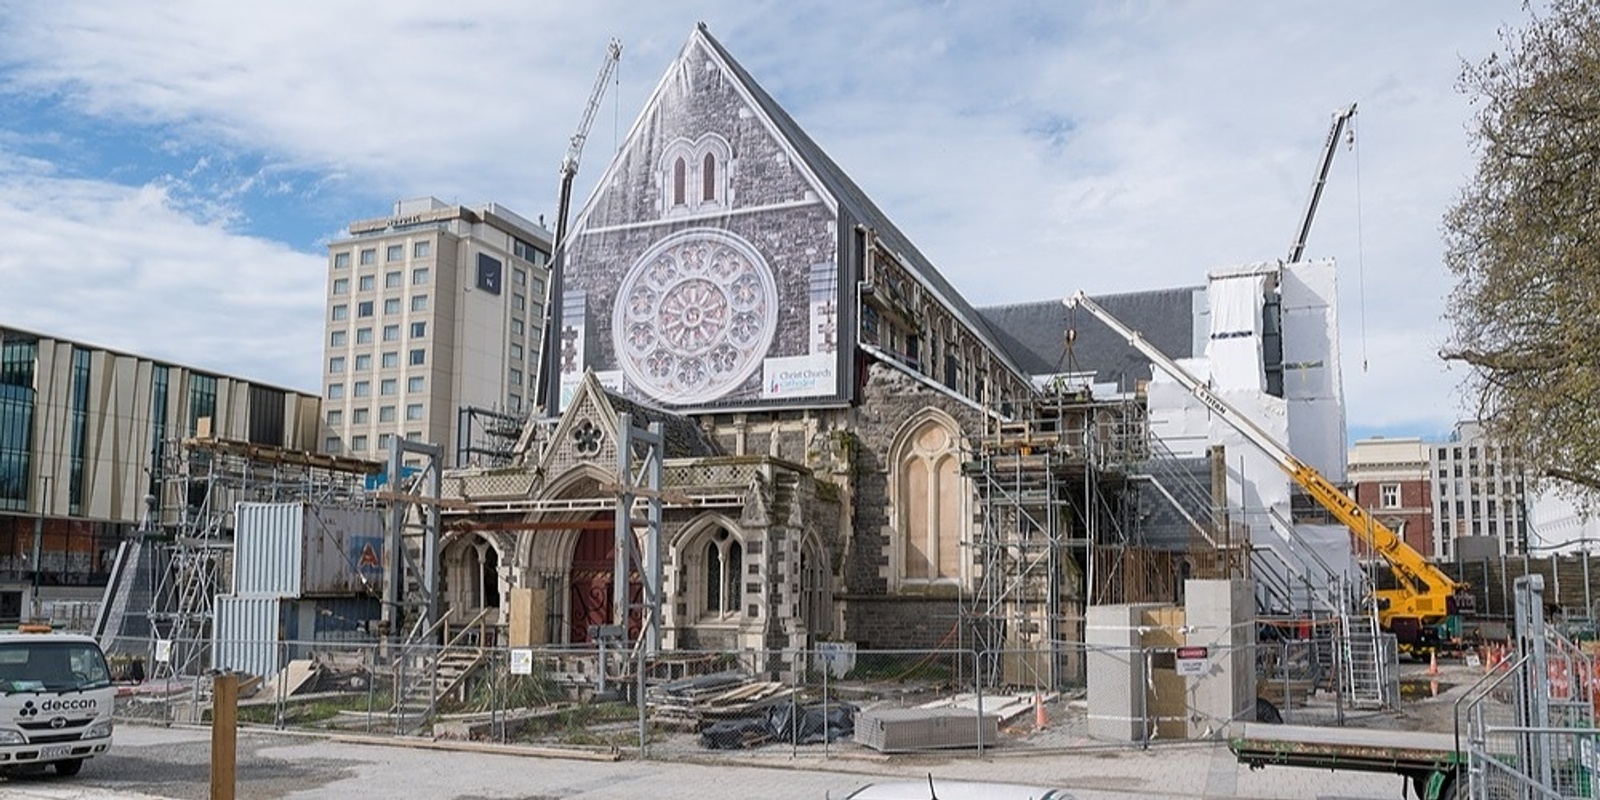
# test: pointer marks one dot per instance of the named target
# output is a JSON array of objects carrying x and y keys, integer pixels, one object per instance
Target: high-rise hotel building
[{"x": 433, "y": 310}]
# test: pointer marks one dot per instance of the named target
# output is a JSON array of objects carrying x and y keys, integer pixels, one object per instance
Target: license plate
[{"x": 56, "y": 751}]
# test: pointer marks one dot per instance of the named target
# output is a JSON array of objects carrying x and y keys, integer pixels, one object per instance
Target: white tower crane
[
  {"x": 549, "y": 387},
  {"x": 569, "y": 163}
]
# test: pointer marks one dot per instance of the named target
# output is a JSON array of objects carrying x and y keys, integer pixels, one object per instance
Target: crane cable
[{"x": 1361, "y": 264}]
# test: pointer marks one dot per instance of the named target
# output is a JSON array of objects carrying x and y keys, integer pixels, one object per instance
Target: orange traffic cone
[
  {"x": 1040, "y": 718},
  {"x": 1433, "y": 662}
]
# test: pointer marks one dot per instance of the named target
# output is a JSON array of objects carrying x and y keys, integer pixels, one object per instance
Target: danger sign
[{"x": 1191, "y": 661}]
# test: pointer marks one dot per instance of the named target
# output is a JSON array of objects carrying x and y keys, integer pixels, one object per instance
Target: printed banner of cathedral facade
[{"x": 704, "y": 271}]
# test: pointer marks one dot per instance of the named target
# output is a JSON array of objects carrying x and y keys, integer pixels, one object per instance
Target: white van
[{"x": 56, "y": 700}]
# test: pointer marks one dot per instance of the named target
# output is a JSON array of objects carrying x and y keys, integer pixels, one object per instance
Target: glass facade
[
  {"x": 18, "y": 355},
  {"x": 202, "y": 401},
  {"x": 78, "y": 428}
]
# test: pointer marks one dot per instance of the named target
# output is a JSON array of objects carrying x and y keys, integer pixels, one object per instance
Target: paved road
[{"x": 154, "y": 762}]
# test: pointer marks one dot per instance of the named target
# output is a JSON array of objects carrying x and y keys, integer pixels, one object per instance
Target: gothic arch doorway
[{"x": 589, "y": 585}]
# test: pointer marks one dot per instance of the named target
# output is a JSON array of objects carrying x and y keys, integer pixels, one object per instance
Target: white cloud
[
  {"x": 119, "y": 267},
  {"x": 1029, "y": 152}
]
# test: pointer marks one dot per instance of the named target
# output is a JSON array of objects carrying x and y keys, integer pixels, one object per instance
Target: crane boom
[
  {"x": 1340, "y": 118},
  {"x": 1426, "y": 595},
  {"x": 569, "y": 162},
  {"x": 547, "y": 388}
]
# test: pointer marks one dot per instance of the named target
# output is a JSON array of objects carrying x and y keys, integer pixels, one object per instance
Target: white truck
[{"x": 56, "y": 700}]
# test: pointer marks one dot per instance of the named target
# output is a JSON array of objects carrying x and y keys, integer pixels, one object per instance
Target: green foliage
[
  {"x": 1523, "y": 242},
  {"x": 932, "y": 668}
]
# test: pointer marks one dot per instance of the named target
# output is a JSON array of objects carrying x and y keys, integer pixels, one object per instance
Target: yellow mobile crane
[{"x": 1422, "y": 611}]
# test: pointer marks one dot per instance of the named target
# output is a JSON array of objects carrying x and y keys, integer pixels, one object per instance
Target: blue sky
[{"x": 170, "y": 173}]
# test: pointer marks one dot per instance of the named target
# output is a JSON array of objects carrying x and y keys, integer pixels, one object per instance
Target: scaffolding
[
  {"x": 487, "y": 439},
  {"x": 1062, "y": 489},
  {"x": 190, "y": 546}
]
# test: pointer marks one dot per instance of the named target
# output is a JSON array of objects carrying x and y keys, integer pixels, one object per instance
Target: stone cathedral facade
[{"x": 815, "y": 378}]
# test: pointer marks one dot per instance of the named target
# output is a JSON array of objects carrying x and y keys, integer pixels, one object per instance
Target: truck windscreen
[{"x": 47, "y": 666}]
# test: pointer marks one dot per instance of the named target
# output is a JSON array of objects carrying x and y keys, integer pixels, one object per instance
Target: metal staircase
[
  {"x": 1369, "y": 658},
  {"x": 426, "y": 673}
]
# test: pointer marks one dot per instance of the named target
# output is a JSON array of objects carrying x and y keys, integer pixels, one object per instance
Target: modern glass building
[{"x": 83, "y": 432}]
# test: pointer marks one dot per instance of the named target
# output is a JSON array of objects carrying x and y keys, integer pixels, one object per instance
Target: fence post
[
  {"x": 827, "y": 732},
  {"x": 224, "y": 735},
  {"x": 977, "y": 684}
]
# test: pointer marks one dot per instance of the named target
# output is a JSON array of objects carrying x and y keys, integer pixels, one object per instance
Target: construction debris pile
[{"x": 731, "y": 711}]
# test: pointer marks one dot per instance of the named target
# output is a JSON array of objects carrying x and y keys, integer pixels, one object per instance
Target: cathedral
[{"x": 829, "y": 418}]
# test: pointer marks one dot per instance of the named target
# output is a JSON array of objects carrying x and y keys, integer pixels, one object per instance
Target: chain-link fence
[{"x": 828, "y": 701}]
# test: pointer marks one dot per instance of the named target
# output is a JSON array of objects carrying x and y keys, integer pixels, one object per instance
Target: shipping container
[
  {"x": 307, "y": 550},
  {"x": 248, "y": 634}
]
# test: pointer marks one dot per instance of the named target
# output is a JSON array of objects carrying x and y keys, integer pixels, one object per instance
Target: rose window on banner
[{"x": 695, "y": 316}]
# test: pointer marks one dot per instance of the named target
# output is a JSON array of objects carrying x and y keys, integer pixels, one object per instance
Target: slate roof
[
  {"x": 1035, "y": 334},
  {"x": 682, "y": 437},
  {"x": 855, "y": 201}
]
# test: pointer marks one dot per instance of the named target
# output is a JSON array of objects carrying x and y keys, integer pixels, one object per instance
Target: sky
[{"x": 171, "y": 173}]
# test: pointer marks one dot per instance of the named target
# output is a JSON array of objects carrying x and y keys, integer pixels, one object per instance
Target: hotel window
[
  {"x": 363, "y": 336},
  {"x": 363, "y": 362},
  {"x": 518, "y": 302},
  {"x": 419, "y": 276},
  {"x": 514, "y": 403},
  {"x": 341, "y": 260},
  {"x": 391, "y": 333},
  {"x": 516, "y": 377},
  {"x": 419, "y": 303},
  {"x": 341, "y": 285},
  {"x": 388, "y": 386},
  {"x": 1389, "y": 495},
  {"x": 517, "y": 328},
  {"x": 414, "y": 411},
  {"x": 391, "y": 306},
  {"x": 384, "y": 439},
  {"x": 516, "y": 352},
  {"x": 336, "y": 365},
  {"x": 359, "y": 416},
  {"x": 338, "y": 338},
  {"x": 519, "y": 277},
  {"x": 422, "y": 249},
  {"x": 366, "y": 283},
  {"x": 335, "y": 391},
  {"x": 386, "y": 414},
  {"x": 369, "y": 256},
  {"x": 395, "y": 252},
  {"x": 332, "y": 445},
  {"x": 418, "y": 357},
  {"x": 335, "y": 418},
  {"x": 341, "y": 312},
  {"x": 415, "y": 384},
  {"x": 358, "y": 444},
  {"x": 391, "y": 360},
  {"x": 419, "y": 330},
  {"x": 391, "y": 280},
  {"x": 364, "y": 308},
  {"x": 362, "y": 389}
]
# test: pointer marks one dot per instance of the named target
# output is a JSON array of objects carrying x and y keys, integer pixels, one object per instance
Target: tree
[{"x": 1523, "y": 242}]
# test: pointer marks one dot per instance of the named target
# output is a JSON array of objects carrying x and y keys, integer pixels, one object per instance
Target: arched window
[
  {"x": 708, "y": 179},
  {"x": 680, "y": 180},
  {"x": 724, "y": 560},
  {"x": 928, "y": 501}
]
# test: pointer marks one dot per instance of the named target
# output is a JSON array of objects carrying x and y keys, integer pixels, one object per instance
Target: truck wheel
[{"x": 69, "y": 768}]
